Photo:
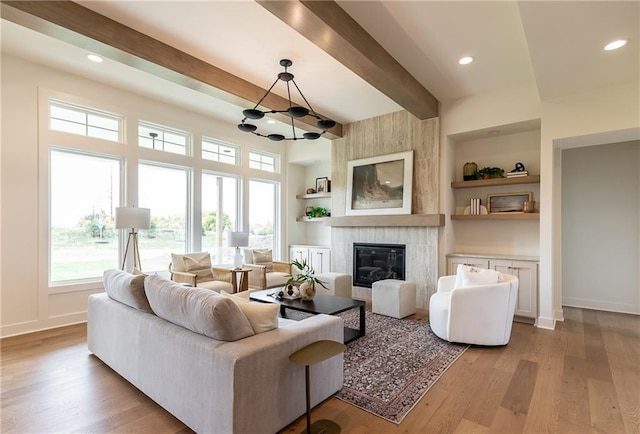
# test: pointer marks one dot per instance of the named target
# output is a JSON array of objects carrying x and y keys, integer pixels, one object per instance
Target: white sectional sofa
[{"x": 246, "y": 385}]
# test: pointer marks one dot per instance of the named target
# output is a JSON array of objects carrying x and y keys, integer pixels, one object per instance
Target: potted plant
[
  {"x": 490, "y": 172},
  {"x": 307, "y": 279},
  {"x": 318, "y": 211}
]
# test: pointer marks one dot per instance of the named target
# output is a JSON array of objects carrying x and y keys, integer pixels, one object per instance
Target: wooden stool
[{"x": 317, "y": 352}]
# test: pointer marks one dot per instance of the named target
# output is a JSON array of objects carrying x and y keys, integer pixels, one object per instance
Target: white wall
[
  {"x": 600, "y": 215},
  {"x": 611, "y": 114},
  {"x": 27, "y": 302}
]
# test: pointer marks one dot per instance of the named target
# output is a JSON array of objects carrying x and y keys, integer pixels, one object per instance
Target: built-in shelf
[
  {"x": 388, "y": 220},
  {"x": 532, "y": 179},
  {"x": 499, "y": 216},
  {"x": 312, "y": 220},
  {"x": 313, "y": 196}
]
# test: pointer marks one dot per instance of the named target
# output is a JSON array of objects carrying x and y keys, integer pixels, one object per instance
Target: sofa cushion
[
  {"x": 467, "y": 276},
  {"x": 262, "y": 316},
  {"x": 199, "y": 310},
  {"x": 126, "y": 288}
]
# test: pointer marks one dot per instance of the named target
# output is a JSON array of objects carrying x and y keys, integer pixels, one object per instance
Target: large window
[
  {"x": 263, "y": 200},
  {"x": 85, "y": 189},
  {"x": 219, "y": 198},
  {"x": 165, "y": 191}
]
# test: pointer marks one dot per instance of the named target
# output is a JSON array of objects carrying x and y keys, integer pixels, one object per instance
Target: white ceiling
[{"x": 556, "y": 46}]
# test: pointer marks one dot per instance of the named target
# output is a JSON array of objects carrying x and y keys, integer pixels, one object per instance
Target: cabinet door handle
[{"x": 513, "y": 268}]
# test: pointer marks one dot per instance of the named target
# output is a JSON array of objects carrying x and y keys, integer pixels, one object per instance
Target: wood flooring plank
[
  {"x": 518, "y": 395},
  {"x": 625, "y": 372},
  {"x": 508, "y": 422},
  {"x": 544, "y": 411},
  {"x": 573, "y": 407},
  {"x": 604, "y": 407},
  {"x": 467, "y": 427},
  {"x": 598, "y": 364}
]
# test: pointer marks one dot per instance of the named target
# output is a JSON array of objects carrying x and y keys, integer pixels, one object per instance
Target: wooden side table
[
  {"x": 317, "y": 352},
  {"x": 239, "y": 279}
]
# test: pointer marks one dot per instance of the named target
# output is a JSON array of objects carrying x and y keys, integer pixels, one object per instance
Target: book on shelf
[{"x": 517, "y": 174}]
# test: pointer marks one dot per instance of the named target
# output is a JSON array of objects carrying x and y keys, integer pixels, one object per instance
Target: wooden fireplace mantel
[{"x": 387, "y": 220}]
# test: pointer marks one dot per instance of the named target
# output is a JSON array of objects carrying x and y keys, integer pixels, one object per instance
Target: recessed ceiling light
[
  {"x": 466, "y": 60},
  {"x": 616, "y": 44},
  {"x": 494, "y": 132},
  {"x": 95, "y": 58}
]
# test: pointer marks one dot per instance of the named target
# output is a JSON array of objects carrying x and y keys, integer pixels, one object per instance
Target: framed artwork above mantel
[{"x": 380, "y": 185}]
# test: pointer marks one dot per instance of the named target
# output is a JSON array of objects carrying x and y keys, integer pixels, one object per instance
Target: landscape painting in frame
[{"x": 380, "y": 185}]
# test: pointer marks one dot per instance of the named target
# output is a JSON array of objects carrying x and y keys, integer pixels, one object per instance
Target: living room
[{"x": 604, "y": 118}]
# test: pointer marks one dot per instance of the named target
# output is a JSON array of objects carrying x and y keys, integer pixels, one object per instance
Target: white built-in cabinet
[
  {"x": 524, "y": 268},
  {"x": 318, "y": 256}
]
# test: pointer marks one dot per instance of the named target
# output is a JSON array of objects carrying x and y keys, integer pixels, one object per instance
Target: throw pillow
[
  {"x": 467, "y": 276},
  {"x": 262, "y": 316},
  {"x": 199, "y": 310},
  {"x": 126, "y": 288},
  {"x": 200, "y": 266},
  {"x": 263, "y": 257}
]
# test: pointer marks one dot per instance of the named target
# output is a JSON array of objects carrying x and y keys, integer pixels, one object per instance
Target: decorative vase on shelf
[{"x": 469, "y": 171}]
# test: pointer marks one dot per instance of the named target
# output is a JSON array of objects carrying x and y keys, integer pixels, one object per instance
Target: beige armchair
[
  {"x": 195, "y": 269},
  {"x": 265, "y": 272}
]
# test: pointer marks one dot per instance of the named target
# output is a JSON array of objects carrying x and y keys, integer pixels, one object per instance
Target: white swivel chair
[{"x": 480, "y": 315}]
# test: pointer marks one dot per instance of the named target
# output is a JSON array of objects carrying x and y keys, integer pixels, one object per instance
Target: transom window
[
  {"x": 84, "y": 121},
  {"x": 216, "y": 150},
  {"x": 163, "y": 138},
  {"x": 263, "y": 161}
]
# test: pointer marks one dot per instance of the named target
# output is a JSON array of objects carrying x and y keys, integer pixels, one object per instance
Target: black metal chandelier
[{"x": 293, "y": 111}]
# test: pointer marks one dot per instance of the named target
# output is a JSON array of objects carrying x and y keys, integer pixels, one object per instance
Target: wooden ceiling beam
[
  {"x": 82, "y": 27},
  {"x": 328, "y": 26}
]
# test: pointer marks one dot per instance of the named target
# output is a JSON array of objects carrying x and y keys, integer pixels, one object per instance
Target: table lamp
[
  {"x": 237, "y": 240},
  {"x": 132, "y": 218}
]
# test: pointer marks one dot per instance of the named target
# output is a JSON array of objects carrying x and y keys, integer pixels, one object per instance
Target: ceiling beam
[
  {"x": 84, "y": 28},
  {"x": 328, "y": 26}
]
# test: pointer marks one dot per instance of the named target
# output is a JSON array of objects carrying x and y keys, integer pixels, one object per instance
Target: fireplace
[{"x": 372, "y": 262}]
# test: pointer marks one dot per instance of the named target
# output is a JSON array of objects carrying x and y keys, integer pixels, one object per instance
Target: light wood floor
[{"x": 583, "y": 377}]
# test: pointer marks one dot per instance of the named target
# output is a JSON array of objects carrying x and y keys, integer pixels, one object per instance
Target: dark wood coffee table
[{"x": 321, "y": 303}]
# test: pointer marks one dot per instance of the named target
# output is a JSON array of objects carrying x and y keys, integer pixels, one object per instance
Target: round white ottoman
[{"x": 395, "y": 298}]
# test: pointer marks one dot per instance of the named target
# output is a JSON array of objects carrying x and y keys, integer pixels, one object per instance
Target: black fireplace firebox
[{"x": 372, "y": 262}]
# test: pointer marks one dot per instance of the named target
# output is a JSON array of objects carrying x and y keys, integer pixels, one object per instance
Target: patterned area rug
[{"x": 388, "y": 370}]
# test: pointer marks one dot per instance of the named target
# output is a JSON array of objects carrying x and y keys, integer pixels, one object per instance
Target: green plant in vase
[
  {"x": 306, "y": 278},
  {"x": 490, "y": 172}
]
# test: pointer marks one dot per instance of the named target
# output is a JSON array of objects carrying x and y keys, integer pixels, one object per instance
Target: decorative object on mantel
[
  {"x": 380, "y": 185},
  {"x": 293, "y": 111},
  {"x": 469, "y": 171},
  {"x": 518, "y": 171},
  {"x": 307, "y": 279}
]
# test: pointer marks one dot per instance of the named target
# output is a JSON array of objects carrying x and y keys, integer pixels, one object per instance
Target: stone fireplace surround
[{"x": 419, "y": 232}]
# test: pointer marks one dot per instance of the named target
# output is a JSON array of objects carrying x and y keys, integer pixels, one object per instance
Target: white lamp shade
[
  {"x": 237, "y": 239},
  {"x": 131, "y": 217}
]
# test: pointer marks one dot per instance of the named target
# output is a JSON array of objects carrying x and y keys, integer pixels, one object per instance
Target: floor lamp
[
  {"x": 237, "y": 240},
  {"x": 132, "y": 218}
]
